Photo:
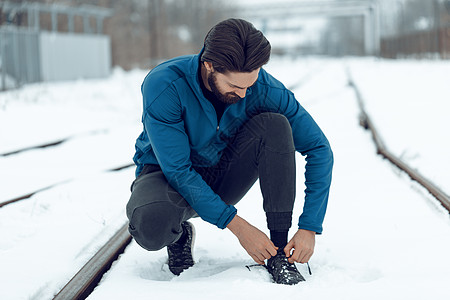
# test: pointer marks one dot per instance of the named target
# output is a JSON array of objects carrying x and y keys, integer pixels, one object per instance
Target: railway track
[
  {"x": 53, "y": 143},
  {"x": 91, "y": 273},
  {"x": 84, "y": 282},
  {"x": 367, "y": 123},
  {"x": 41, "y": 146},
  {"x": 29, "y": 195},
  {"x": 88, "y": 277}
]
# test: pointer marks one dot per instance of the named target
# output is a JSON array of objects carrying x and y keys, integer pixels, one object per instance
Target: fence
[
  {"x": 424, "y": 44},
  {"x": 69, "y": 56},
  {"x": 30, "y": 53},
  {"x": 28, "y": 56},
  {"x": 19, "y": 56}
]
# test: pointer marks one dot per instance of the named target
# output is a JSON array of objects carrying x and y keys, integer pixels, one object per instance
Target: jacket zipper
[{"x": 218, "y": 123}]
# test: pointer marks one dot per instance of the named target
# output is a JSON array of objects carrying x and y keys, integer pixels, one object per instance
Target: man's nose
[{"x": 241, "y": 92}]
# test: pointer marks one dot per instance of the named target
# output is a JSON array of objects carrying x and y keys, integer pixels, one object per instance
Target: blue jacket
[{"x": 181, "y": 131}]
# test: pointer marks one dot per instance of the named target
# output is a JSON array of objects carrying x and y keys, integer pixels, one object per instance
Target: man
[{"x": 213, "y": 124}]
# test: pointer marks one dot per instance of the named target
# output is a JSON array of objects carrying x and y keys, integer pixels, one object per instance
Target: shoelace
[
  {"x": 255, "y": 265},
  {"x": 264, "y": 266},
  {"x": 309, "y": 268}
]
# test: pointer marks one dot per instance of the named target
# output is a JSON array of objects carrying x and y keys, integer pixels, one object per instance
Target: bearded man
[{"x": 214, "y": 123}]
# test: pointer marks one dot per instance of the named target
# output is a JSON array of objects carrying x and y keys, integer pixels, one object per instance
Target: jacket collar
[
  {"x": 193, "y": 81},
  {"x": 195, "y": 63}
]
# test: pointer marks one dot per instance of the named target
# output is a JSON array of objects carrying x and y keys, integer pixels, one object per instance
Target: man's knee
[
  {"x": 277, "y": 131},
  {"x": 155, "y": 225}
]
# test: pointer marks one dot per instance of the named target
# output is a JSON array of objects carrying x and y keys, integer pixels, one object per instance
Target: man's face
[{"x": 230, "y": 87}]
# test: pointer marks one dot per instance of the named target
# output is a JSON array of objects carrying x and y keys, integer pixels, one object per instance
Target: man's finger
[
  {"x": 272, "y": 250},
  {"x": 292, "y": 260},
  {"x": 306, "y": 256},
  {"x": 272, "y": 244},
  {"x": 260, "y": 257},
  {"x": 287, "y": 249},
  {"x": 302, "y": 257},
  {"x": 295, "y": 256},
  {"x": 256, "y": 259},
  {"x": 269, "y": 253}
]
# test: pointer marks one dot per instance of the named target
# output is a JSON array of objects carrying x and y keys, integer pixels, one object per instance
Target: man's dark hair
[{"x": 235, "y": 45}]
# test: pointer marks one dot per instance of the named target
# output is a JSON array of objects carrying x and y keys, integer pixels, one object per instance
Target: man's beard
[{"x": 229, "y": 97}]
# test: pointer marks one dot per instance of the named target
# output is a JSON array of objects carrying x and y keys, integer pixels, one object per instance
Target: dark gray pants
[{"x": 263, "y": 148}]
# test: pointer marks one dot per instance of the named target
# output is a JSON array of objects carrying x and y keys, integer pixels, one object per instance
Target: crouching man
[{"x": 214, "y": 123}]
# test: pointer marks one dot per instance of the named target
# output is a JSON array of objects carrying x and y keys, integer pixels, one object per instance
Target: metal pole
[
  {"x": 70, "y": 26},
  {"x": 376, "y": 27},
  {"x": 16, "y": 53},
  {"x": 155, "y": 31},
  {"x": 86, "y": 23},
  {"x": 99, "y": 25},
  {"x": 437, "y": 27},
  {"x": 36, "y": 20},
  {"x": 29, "y": 16},
  {"x": 401, "y": 32},
  {"x": 368, "y": 34},
  {"x": 2, "y": 60},
  {"x": 54, "y": 21}
]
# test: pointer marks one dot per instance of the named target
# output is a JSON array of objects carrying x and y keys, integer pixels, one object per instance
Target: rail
[
  {"x": 368, "y": 124},
  {"x": 29, "y": 195},
  {"x": 84, "y": 282}
]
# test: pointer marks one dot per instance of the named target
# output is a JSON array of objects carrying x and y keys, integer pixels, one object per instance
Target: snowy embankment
[
  {"x": 44, "y": 240},
  {"x": 383, "y": 236},
  {"x": 409, "y": 103},
  {"x": 96, "y": 117}
]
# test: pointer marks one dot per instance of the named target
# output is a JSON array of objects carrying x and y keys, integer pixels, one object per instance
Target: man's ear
[{"x": 208, "y": 65}]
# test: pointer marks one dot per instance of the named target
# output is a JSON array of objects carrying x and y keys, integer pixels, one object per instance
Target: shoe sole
[
  {"x": 193, "y": 239},
  {"x": 192, "y": 246}
]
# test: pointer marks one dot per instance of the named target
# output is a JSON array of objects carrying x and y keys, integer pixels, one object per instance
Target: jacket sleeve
[
  {"x": 165, "y": 128},
  {"x": 310, "y": 141}
]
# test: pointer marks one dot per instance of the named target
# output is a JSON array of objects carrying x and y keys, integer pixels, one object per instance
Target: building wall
[
  {"x": 19, "y": 54},
  {"x": 66, "y": 56}
]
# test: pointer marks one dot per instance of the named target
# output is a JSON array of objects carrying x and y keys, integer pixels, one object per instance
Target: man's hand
[
  {"x": 254, "y": 241},
  {"x": 303, "y": 244}
]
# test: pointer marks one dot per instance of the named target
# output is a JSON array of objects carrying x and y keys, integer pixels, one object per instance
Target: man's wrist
[
  {"x": 313, "y": 228},
  {"x": 235, "y": 224},
  {"x": 308, "y": 231}
]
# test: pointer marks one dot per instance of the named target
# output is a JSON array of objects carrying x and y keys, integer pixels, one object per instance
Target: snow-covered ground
[
  {"x": 384, "y": 236},
  {"x": 410, "y": 105}
]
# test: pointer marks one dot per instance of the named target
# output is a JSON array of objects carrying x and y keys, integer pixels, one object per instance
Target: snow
[
  {"x": 384, "y": 236},
  {"x": 6, "y": 80},
  {"x": 413, "y": 121}
]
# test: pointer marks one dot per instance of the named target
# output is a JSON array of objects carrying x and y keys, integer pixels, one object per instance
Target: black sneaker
[
  {"x": 180, "y": 252},
  {"x": 282, "y": 271}
]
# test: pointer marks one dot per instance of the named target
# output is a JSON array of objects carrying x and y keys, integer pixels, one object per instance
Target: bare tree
[
  {"x": 144, "y": 32},
  {"x": 344, "y": 36}
]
